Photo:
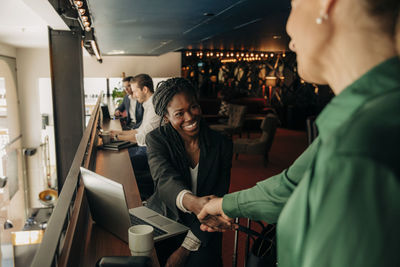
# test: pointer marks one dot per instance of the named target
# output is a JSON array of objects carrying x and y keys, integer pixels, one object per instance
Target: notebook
[
  {"x": 108, "y": 208},
  {"x": 118, "y": 145}
]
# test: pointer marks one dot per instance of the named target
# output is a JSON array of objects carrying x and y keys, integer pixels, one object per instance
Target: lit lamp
[
  {"x": 7, "y": 224},
  {"x": 270, "y": 81}
]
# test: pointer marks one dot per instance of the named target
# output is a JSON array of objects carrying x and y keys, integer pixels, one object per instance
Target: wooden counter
[
  {"x": 115, "y": 165},
  {"x": 71, "y": 238}
]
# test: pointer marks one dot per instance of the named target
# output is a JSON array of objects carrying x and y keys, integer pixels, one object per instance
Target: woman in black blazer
[{"x": 188, "y": 162}]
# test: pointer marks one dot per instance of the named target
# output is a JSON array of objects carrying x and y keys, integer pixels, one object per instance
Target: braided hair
[{"x": 166, "y": 90}]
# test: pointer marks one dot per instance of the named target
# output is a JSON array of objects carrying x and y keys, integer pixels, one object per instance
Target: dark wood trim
[{"x": 47, "y": 254}]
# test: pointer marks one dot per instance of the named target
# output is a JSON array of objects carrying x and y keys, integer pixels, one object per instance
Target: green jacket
[{"x": 339, "y": 203}]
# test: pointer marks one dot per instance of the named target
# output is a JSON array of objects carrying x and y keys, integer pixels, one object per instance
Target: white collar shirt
[
  {"x": 132, "y": 108},
  {"x": 150, "y": 121}
]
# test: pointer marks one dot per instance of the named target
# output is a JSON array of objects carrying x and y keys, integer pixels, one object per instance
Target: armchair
[
  {"x": 262, "y": 145},
  {"x": 235, "y": 121}
]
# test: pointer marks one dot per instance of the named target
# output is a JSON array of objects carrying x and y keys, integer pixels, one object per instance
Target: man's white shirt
[
  {"x": 150, "y": 121},
  {"x": 132, "y": 108}
]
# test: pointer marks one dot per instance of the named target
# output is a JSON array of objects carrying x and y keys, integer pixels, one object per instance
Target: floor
[{"x": 247, "y": 170}]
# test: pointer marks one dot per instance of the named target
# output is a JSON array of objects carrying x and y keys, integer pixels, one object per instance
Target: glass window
[{"x": 3, "y": 102}]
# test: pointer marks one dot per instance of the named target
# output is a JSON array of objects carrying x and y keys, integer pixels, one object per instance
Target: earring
[{"x": 321, "y": 18}]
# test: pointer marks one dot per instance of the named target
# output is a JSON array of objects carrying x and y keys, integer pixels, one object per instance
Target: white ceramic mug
[{"x": 141, "y": 240}]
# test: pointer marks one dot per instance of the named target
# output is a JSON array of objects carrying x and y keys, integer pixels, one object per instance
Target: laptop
[{"x": 109, "y": 209}]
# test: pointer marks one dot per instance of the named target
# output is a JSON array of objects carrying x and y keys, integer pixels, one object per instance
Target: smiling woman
[{"x": 187, "y": 161}]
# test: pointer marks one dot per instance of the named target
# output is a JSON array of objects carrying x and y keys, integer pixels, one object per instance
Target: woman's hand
[
  {"x": 213, "y": 218},
  {"x": 178, "y": 258},
  {"x": 194, "y": 203}
]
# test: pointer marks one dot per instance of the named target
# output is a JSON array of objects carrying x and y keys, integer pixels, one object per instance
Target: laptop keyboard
[{"x": 135, "y": 221}]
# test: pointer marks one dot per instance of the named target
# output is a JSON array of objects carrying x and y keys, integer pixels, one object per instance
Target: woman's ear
[
  {"x": 165, "y": 119},
  {"x": 326, "y": 6}
]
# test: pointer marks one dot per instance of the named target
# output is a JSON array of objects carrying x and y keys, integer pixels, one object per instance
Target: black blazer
[
  {"x": 126, "y": 102},
  {"x": 171, "y": 175},
  {"x": 125, "y": 105}
]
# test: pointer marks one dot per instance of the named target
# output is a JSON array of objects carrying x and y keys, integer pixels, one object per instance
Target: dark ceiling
[{"x": 155, "y": 27}]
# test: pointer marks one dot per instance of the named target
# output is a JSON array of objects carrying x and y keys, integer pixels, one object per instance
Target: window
[{"x": 3, "y": 102}]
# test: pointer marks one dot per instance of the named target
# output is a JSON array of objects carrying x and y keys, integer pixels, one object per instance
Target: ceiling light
[
  {"x": 87, "y": 29},
  {"x": 82, "y": 11},
  {"x": 86, "y": 24},
  {"x": 78, "y": 4},
  {"x": 85, "y": 18},
  {"x": 207, "y": 14},
  {"x": 272, "y": 54},
  {"x": 95, "y": 49}
]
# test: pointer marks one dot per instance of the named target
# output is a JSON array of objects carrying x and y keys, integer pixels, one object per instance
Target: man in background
[
  {"x": 129, "y": 104},
  {"x": 143, "y": 89}
]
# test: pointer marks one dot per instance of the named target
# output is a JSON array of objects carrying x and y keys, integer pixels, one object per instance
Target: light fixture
[
  {"x": 82, "y": 11},
  {"x": 87, "y": 29},
  {"x": 3, "y": 181},
  {"x": 222, "y": 54},
  {"x": 95, "y": 49},
  {"x": 8, "y": 225},
  {"x": 283, "y": 55},
  {"x": 86, "y": 24},
  {"x": 271, "y": 81},
  {"x": 78, "y": 4},
  {"x": 85, "y": 18},
  {"x": 272, "y": 54}
]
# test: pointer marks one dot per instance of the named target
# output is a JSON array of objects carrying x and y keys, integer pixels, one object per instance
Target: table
[{"x": 115, "y": 165}]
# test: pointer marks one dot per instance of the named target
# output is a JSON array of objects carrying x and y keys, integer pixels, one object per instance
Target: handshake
[{"x": 210, "y": 214}]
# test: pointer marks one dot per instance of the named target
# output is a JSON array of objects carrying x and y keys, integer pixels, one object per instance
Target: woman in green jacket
[{"x": 338, "y": 204}]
